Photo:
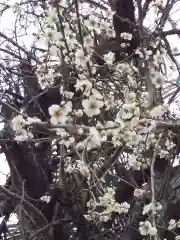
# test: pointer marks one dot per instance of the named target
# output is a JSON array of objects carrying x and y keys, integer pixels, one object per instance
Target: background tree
[{"x": 92, "y": 143}]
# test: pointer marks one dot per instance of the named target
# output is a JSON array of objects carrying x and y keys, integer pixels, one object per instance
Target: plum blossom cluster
[
  {"x": 95, "y": 100},
  {"x": 45, "y": 76},
  {"x": 146, "y": 228},
  {"x": 126, "y": 127},
  {"x": 139, "y": 193},
  {"x": 108, "y": 203},
  {"x": 94, "y": 138},
  {"x": 149, "y": 207},
  {"x": 63, "y": 137},
  {"x": 158, "y": 111},
  {"x": 97, "y": 24},
  {"x": 173, "y": 224},
  {"x": 128, "y": 121},
  {"x": 109, "y": 58},
  {"x": 126, "y": 36},
  {"x": 137, "y": 162},
  {"x": 67, "y": 39},
  {"x": 20, "y": 127},
  {"x": 144, "y": 54},
  {"x": 79, "y": 166}
]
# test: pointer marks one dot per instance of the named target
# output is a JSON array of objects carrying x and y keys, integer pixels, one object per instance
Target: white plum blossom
[
  {"x": 128, "y": 111},
  {"x": 104, "y": 25},
  {"x": 126, "y": 36},
  {"x": 148, "y": 53},
  {"x": 133, "y": 163},
  {"x": 172, "y": 224},
  {"x": 23, "y": 136},
  {"x": 107, "y": 201},
  {"x": 109, "y": 13},
  {"x": 68, "y": 94},
  {"x": 121, "y": 208},
  {"x": 144, "y": 96},
  {"x": 150, "y": 206},
  {"x": 92, "y": 23},
  {"x": 96, "y": 93},
  {"x": 178, "y": 224},
  {"x": 71, "y": 42},
  {"x": 71, "y": 36},
  {"x": 158, "y": 59},
  {"x": 146, "y": 228},
  {"x": 131, "y": 97},
  {"x": 158, "y": 3},
  {"x": 95, "y": 136},
  {"x": 45, "y": 76},
  {"x": 88, "y": 217},
  {"x": 78, "y": 112},
  {"x": 61, "y": 132},
  {"x": 139, "y": 52},
  {"x": 88, "y": 143},
  {"x": 91, "y": 203},
  {"x": 104, "y": 218},
  {"x": 109, "y": 58},
  {"x": 95, "y": 166},
  {"x": 18, "y": 123},
  {"x": 52, "y": 16},
  {"x": 33, "y": 120},
  {"x": 107, "y": 198},
  {"x": 67, "y": 107},
  {"x": 145, "y": 54},
  {"x": 83, "y": 168},
  {"x": 110, "y": 33},
  {"x": 169, "y": 144},
  {"x": 92, "y": 106},
  {"x": 45, "y": 198},
  {"x": 83, "y": 84},
  {"x": 163, "y": 153},
  {"x": 58, "y": 114},
  {"x": 69, "y": 168},
  {"x": 158, "y": 111},
  {"x": 123, "y": 45},
  {"x": 52, "y": 35},
  {"x": 134, "y": 123},
  {"x": 67, "y": 142},
  {"x": 139, "y": 192},
  {"x": 79, "y": 166},
  {"x": 132, "y": 138},
  {"x": 109, "y": 102}
]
